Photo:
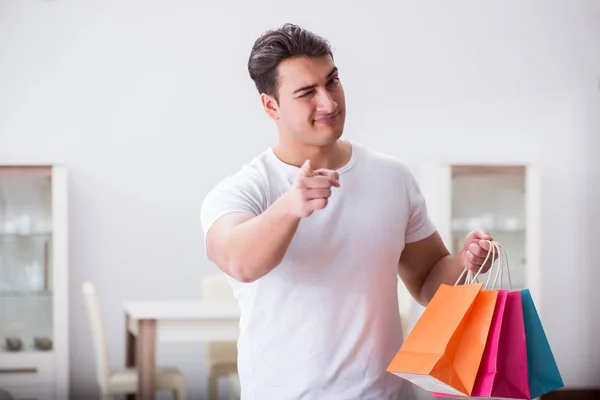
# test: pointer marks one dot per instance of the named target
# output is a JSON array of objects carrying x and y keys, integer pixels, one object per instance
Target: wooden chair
[
  {"x": 114, "y": 382},
  {"x": 221, "y": 357}
]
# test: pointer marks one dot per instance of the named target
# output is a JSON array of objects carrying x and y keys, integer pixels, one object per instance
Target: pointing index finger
[
  {"x": 332, "y": 175},
  {"x": 306, "y": 169}
]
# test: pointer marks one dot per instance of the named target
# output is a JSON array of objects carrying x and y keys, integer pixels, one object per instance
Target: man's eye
[
  {"x": 334, "y": 81},
  {"x": 306, "y": 94}
]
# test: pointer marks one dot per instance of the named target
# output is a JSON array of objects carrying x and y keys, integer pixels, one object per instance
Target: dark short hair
[{"x": 276, "y": 45}]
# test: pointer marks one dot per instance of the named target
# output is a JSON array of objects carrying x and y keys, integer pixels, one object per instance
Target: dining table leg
[
  {"x": 146, "y": 359},
  {"x": 130, "y": 345}
]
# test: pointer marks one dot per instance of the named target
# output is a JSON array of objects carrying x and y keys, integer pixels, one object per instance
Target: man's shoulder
[
  {"x": 379, "y": 159},
  {"x": 247, "y": 172},
  {"x": 242, "y": 190},
  {"x": 250, "y": 173}
]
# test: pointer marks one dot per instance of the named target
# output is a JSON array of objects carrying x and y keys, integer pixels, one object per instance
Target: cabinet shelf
[
  {"x": 28, "y": 348},
  {"x": 25, "y": 293},
  {"x": 43, "y": 235}
]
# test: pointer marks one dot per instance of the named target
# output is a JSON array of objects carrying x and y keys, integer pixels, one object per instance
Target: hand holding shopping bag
[{"x": 443, "y": 351}]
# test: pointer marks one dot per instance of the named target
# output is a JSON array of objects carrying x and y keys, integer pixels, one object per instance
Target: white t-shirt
[{"x": 324, "y": 324}]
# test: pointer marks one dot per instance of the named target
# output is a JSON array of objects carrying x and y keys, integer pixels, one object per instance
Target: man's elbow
[
  {"x": 422, "y": 300},
  {"x": 232, "y": 264},
  {"x": 246, "y": 271},
  {"x": 425, "y": 294},
  {"x": 419, "y": 291},
  {"x": 240, "y": 273},
  {"x": 244, "y": 267}
]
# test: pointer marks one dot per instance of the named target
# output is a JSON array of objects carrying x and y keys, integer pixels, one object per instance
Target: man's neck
[{"x": 333, "y": 156}]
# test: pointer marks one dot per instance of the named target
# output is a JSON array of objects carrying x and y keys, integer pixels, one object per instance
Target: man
[{"x": 313, "y": 234}]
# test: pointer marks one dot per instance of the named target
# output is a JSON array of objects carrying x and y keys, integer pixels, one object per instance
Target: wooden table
[{"x": 149, "y": 322}]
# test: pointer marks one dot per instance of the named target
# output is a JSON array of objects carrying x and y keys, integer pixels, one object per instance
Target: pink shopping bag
[
  {"x": 488, "y": 369},
  {"x": 509, "y": 379}
]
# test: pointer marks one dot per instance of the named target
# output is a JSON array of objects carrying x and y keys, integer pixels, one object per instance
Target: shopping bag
[
  {"x": 511, "y": 379},
  {"x": 503, "y": 373},
  {"x": 544, "y": 375},
  {"x": 443, "y": 351},
  {"x": 503, "y": 369},
  {"x": 488, "y": 367}
]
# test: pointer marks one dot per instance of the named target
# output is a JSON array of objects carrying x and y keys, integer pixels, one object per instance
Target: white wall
[{"x": 149, "y": 104}]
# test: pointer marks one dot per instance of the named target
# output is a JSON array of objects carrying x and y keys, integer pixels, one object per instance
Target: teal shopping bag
[{"x": 544, "y": 376}]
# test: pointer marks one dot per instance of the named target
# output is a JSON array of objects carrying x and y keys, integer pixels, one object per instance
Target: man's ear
[{"x": 270, "y": 105}]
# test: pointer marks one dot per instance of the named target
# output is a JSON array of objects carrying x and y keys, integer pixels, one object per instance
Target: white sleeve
[
  {"x": 419, "y": 224},
  {"x": 242, "y": 192}
]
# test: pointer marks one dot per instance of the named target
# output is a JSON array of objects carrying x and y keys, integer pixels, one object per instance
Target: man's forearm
[
  {"x": 258, "y": 245},
  {"x": 446, "y": 271}
]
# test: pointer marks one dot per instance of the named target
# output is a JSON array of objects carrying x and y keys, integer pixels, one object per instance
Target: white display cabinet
[
  {"x": 504, "y": 199},
  {"x": 34, "y": 282}
]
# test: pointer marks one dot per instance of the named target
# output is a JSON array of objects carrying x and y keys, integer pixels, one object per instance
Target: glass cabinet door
[
  {"x": 26, "y": 289},
  {"x": 492, "y": 198},
  {"x": 504, "y": 199}
]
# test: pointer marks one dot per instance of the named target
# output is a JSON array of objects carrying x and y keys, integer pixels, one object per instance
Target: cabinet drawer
[
  {"x": 33, "y": 392},
  {"x": 26, "y": 369}
]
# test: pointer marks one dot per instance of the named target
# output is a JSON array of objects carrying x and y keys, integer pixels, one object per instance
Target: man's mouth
[{"x": 328, "y": 119}]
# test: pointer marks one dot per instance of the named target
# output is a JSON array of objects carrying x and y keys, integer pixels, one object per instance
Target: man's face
[{"x": 312, "y": 107}]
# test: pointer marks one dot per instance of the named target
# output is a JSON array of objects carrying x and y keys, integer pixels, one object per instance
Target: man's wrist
[{"x": 286, "y": 208}]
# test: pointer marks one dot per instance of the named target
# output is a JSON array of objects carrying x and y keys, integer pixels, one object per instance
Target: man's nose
[{"x": 326, "y": 103}]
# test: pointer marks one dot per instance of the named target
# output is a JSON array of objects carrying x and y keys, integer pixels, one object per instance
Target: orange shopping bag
[{"x": 443, "y": 351}]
